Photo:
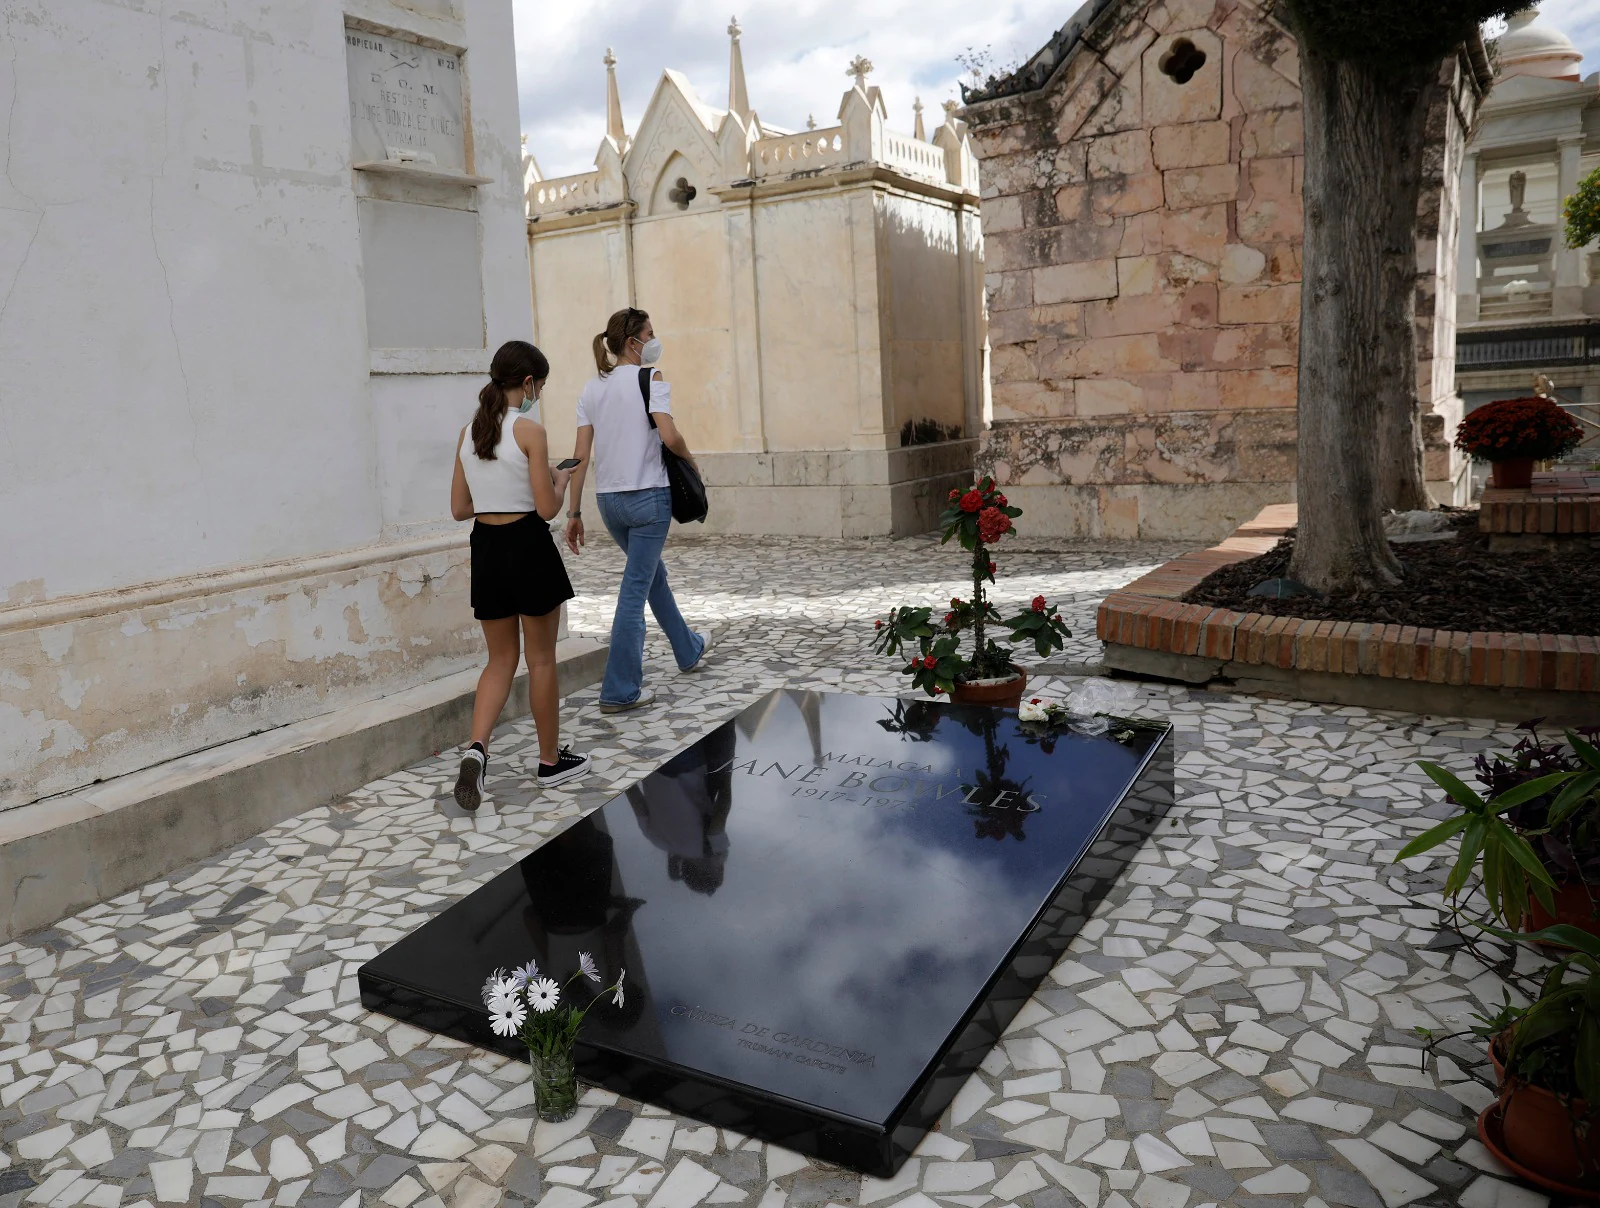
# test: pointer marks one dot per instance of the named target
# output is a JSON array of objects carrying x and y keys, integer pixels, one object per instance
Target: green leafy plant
[
  {"x": 1582, "y": 211},
  {"x": 976, "y": 519},
  {"x": 1554, "y": 1041},
  {"x": 1536, "y": 826},
  {"x": 1510, "y": 870}
]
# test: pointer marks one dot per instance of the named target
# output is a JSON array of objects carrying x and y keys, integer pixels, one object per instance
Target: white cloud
[{"x": 795, "y": 52}]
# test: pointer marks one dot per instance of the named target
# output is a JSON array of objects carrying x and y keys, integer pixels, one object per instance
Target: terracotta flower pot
[
  {"x": 1512, "y": 474},
  {"x": 1538, "y": 1132},
  {"x": 1576, "y": 903},
  {"x": 1007, "y": 694}
]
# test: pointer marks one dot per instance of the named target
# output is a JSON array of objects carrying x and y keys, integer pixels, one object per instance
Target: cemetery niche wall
[
  {"x": 829, "y": 909},
  {"x": 306, "y": 235}
]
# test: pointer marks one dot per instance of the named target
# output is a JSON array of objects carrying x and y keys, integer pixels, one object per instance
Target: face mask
[
  {"x": 526, "y": 405},
  {"x": 650, "y": 352}
]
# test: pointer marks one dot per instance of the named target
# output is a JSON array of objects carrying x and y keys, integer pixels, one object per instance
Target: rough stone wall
[{"x": 1143, "y": 245}]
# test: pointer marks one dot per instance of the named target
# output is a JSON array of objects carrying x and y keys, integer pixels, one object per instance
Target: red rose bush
[{"x": 977, "y": 519}]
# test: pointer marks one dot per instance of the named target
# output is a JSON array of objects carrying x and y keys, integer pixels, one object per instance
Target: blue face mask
[{"x": 526, "y": 405}]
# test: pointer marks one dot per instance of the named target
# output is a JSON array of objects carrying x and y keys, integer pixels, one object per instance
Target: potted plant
[
  {"x": 530, "y": 1007},
  {"x": 1514, "y": 433},
  {"x": 977, "y": 518},
  {"x": 1544, "y": 1123},
  {"x": 1533, "y": 836}
]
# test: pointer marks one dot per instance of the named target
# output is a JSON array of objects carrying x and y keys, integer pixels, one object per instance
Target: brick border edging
[
  {"x": 1521, "y": 511},
  {"x": 1147, "y": 615}
]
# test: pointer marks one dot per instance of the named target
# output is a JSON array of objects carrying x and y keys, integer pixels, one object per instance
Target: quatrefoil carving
[{"x": 682, "y": 193}]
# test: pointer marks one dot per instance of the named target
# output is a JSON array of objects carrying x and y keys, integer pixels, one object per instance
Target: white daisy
[
  {"x": 588, "y": 968},
  {"x": 506, "y": 1016},
  {"x": 617, "y": 998},
  {"x": 543, "y": 995},
  {"x": 491, "y": 987},
  {"x": 524, "y": 974}
]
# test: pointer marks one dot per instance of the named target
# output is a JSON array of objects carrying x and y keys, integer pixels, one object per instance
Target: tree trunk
[
  {"x": 1364, "y": 135},
  {"x": 1401, "y": 484}
]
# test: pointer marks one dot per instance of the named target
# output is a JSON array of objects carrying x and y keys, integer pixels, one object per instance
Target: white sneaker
[
  {"x": 700, "y": 662},
  {"x": 469, "y": 781},
  {"x": 646, "y": 697}
]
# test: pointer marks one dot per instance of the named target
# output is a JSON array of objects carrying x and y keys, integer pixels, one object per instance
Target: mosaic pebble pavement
[{"x": 1235, "y": 1026}]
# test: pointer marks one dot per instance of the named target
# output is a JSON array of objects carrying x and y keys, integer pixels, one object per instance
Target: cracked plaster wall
[{"x": 185, "y": 380}]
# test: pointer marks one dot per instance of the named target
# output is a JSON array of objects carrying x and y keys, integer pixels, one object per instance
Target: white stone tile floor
[{"x": 1235, "y": 1025}]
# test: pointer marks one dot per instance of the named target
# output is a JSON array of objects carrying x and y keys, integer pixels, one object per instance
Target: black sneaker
[
  {"x": 566, "y": 767},
  {"x": 469, "y": 782}
]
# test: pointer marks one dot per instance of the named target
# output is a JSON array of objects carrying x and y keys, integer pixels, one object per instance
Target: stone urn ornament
[{"x": 977, "y": 519}]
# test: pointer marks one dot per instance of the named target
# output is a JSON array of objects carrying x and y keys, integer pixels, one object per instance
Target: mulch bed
[{"x": 1455, "y": 584}]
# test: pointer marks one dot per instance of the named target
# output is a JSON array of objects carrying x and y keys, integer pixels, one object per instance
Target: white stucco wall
[{"x": 186, "y": 383}]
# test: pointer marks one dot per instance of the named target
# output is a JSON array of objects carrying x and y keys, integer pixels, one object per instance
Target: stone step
[{"x": 74, "y": 850}]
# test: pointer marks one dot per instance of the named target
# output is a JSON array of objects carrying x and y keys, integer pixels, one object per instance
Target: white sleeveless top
[{"x": 501, "y": 484}]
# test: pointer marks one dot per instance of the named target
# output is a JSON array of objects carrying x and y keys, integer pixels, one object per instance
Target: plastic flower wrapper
[
  {"x": 1089, "y": 726},
  {"x": 1103, "y": 696}
]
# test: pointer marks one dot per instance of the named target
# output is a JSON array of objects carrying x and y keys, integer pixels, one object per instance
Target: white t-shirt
[{"x": 627, "y": 450}]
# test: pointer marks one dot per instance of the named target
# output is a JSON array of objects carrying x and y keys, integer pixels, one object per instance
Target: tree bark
[
  {"x": 1358, "y": 423},
  {"x": 1401, "y": 483}
]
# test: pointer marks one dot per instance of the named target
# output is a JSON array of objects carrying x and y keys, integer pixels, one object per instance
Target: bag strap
[{"x": 645, "y": 371}]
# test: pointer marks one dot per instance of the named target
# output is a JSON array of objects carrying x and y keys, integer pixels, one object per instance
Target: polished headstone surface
[{"x": 829, "y": 908}]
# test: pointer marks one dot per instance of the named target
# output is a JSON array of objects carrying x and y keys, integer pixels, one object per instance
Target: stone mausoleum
[
  {"x": 819, "y": 293},
  {"x": 1143, "y": 227},
  {"x": 1527, "y": 302}
]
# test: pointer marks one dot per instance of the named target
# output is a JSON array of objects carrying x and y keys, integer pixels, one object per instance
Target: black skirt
[{"x": 517, "y": 570}]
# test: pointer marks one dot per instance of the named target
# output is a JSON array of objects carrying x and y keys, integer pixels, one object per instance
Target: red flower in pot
[{"x": 1513, "y": 433}]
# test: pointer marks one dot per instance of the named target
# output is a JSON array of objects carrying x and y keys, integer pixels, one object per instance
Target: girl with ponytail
[{"x": 504, "y": 484}]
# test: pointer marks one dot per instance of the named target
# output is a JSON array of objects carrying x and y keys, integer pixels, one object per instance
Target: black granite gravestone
[{"x": 829, "y": 908}]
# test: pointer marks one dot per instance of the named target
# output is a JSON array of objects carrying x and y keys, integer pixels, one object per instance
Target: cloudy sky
[{"x": 795, "y": 52}]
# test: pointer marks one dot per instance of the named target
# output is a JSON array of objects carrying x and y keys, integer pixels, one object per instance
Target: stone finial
[
  {"x": 811, "y": 121},
  {"x": 614, "y": 128},
  {"x": 920, "y": 132},
  {"x": 860, "y": 67},
  {"x": 950, "y": 108},
  {"x": 738, "y": 97}
]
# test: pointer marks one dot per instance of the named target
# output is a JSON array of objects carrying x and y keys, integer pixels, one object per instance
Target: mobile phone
[{"x": 571, "y": 463}]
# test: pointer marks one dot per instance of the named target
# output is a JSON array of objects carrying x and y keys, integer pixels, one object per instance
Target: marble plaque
[
  {"x": 405, "y": 101},
  {"x": 829, "y": 909}
]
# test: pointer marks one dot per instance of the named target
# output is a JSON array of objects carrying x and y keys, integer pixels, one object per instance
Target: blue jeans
[{"x": 638, "y": 522}]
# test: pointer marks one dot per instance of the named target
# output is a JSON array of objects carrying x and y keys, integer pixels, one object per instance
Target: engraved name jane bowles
[{"x": 827, "y": 781}]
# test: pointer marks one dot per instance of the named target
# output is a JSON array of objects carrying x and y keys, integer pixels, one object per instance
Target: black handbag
[{"x": 688, "y": 492}]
